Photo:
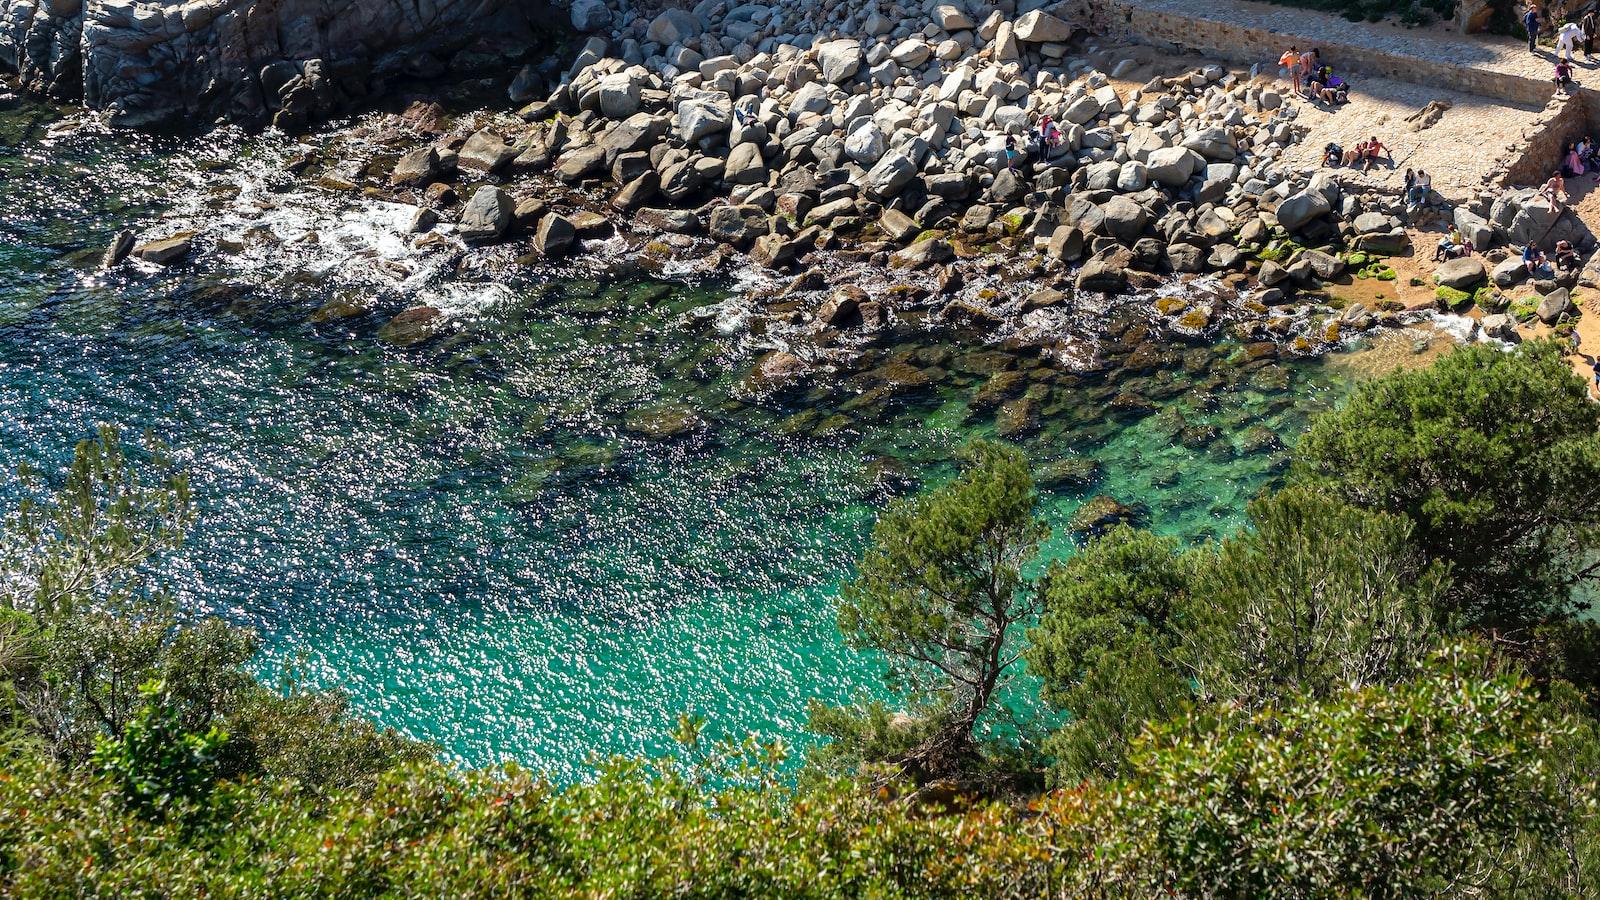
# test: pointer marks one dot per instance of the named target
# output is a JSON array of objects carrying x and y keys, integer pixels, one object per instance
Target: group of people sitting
[
  {"x": 1365, "y": 154},
  {"x": 1309, "y": 78},
  {"x": 1418, "y": 184},
  {"x": 1581, "y": 157},
  {"x": 1327, "y": 87},
  {"x": 1566, "y": 257}
]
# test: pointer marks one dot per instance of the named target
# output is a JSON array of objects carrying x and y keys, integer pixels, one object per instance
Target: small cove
[{"x": 484, "y": 539}]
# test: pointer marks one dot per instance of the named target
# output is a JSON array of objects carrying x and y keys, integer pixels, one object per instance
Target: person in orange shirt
[{"x": 1290, "y": 61}]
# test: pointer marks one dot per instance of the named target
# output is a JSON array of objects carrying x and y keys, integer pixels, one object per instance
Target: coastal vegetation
[{"x": 1349, "y": 696}]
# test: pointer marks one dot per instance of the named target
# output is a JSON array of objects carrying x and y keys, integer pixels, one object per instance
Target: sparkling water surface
[{"x": 466, "y": 535}]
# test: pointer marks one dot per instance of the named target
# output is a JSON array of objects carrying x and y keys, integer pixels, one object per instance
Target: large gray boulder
[
  {"x": 487, "y": 215},
  {"x": 890, "y": 175},
  {"x": 1039, "y": 27},
  {"x": 1171, "y": 166},
  {"x": 745, "y": 165},
  {"x": 1474, "y": 228},
  {"x": 673, "y": 26},
  {"x": 840, "y": 60},
  {"x": 590, "y": 15},
  {"x": 865, "y": 143},
  {"x": 702, "y": 117},
  {"x": 620, "y": 96},
  {"x": 1298, "y": 210},
  {"x": 1082, "y": 110},
  {"x": 1124, "y": 219},
  {"x": 1463, "y": 274},
  {"x": 1213, "y": 143},
  {"x": 1509, "y": 272},
  {"x": 1555, "y": 304}
]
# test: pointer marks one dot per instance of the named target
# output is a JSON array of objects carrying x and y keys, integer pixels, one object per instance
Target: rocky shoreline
[{"x": 869, "y": 176}]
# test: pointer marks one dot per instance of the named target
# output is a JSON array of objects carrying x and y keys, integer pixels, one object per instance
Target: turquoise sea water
[{"x": 466, "y": 535}]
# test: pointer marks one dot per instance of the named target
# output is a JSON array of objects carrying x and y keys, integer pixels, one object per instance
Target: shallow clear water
[{"x": 466, "y": 535}]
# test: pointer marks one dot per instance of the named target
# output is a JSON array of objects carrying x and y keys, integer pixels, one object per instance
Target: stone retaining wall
[{"x": 1531, "y": 160}]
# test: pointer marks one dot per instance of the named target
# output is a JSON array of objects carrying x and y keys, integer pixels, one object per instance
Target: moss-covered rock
[
  {"x": 1450, "y": 298},
  {"x": 1101, "y": 514},
  {"x": 1067, "y": 474}
]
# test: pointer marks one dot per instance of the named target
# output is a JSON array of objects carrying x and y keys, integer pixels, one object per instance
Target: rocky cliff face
[{"x": 246, "y": 60}]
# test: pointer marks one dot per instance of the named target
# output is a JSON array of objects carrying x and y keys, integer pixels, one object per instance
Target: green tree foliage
[
  {"x": 1413, "y": 790},
  {"x": 1388, "y": 792},
  {"x": 1314, "y": 597},
  {"x": 1105, "y": 646},
  {"x": 158, "y": 765},
  {"x": 941, "y": 591},
  {"x": 86, "y": 543},
  {"x": 1495, "y": 456}
]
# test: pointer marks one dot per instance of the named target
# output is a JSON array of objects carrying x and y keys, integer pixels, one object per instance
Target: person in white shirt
[{"x": 1567, "y": 39}]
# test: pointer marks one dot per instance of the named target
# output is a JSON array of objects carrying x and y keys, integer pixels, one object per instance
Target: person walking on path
[
  {"x": 1567, "y": 40},
  {"x": 1590, "y": 24},
  {"x": 1530, "y": 21}
]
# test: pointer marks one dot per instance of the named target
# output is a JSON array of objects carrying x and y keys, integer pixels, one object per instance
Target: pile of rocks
[{"x": 764, "y": 130}]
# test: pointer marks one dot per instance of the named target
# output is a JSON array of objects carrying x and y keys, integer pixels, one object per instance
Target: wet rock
[
  {"x": 776, "y": 372},
  {"x": 343, "y": 305},
  {"x": 1259, "y": 439},
  {"x": 556, "y": 235},
  {"x": 1198, "y": 437},
  {"x": 120, "y": 247},
  {"x": 774, "y": 251},
  {"x": 417, "y": 168},
  {"x": 672, "y": 221},
  {"x": 1001, "y": 386},
  {"x": 485, "y": 152},
  {"x": 664, "y": 422},
  {"x": 1068, "y": 474},
  {"x": 413, "y": 326},
  {"x": 166, "y": 251},
  {"x": 487, "y": 215},
  {"x": 842, "y": 309},
  {"x": 1017, "y": 418},
  {"x": 737, "y": 225},
  {"x": 1501, "y": 327},
  {"x": 923, "y": 254},
  {"x": 1100, "y": 514},
  {"x": 1107, "y": 273}
]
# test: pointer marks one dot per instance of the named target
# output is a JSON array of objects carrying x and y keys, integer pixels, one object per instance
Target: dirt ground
[{"x": 1458, "y": 147}]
